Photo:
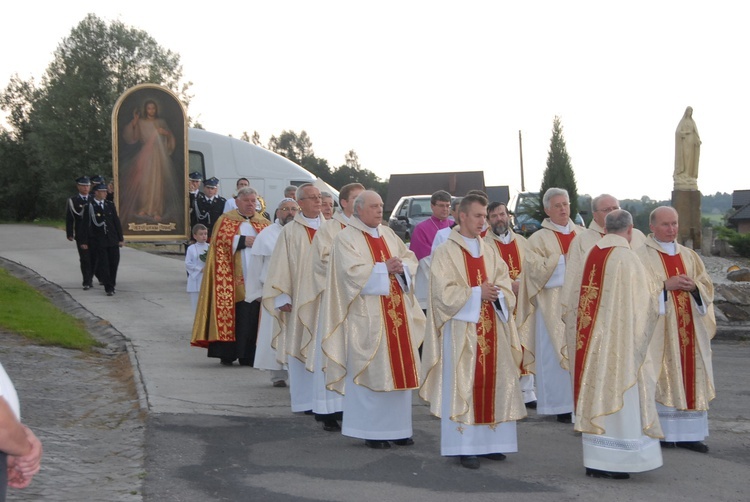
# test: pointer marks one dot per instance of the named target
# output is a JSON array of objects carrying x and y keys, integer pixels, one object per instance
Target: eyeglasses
[
  {"x": 288, "y": 209},
  {"x": 608, "y": 209}
]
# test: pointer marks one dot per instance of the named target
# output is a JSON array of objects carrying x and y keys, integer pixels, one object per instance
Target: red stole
[
  {"x": 510, "y": 255},
  {"x": 673, "y": 265},
  {"x": 588, "y": 308},
  {"x": 310, "y": 232},
  {"x": 403, "y": 366},
  {"x": 485, "y": 370},
  {"x": 564, "y": 241}
]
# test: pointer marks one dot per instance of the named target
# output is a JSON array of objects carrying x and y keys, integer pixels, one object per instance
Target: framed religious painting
[{"x": 149, "y": 162}]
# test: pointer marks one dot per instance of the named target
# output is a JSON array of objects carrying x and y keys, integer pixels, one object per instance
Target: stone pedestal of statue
[{"x": 687, "y": 203}]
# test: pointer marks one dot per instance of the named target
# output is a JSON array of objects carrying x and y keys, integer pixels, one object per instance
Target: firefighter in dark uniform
[
  {"x": 75, "y": 213},
  {"x": 103, "y": 237},
  {"x": 208, "y": 206}
]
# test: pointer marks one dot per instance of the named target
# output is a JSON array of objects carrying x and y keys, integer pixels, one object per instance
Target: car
[{"x": 408, "y": 212}]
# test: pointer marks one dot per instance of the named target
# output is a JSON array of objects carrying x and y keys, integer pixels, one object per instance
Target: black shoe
[
  {"x": 309, "y": 412},
  {"x": 668, "y": 444},
  {"x": 531, "y": 405},
  {"x": 470, "y": 461},
  {"x": 110, "y": 293},
  {"x": 698, "y": 446},
  {"x": 404, "y": 442},
  {"x": 245, "y": 362},
  {"x": 494, "y": 456},
  {"x": 331, "y": 426},
  {"x": 279, "y": 383},
  {"x": 86, "y": 287},
  {"x": 596, "y": 473},
  {"x": 565, "y": 418},
  {"x": 227, "y": 362},
  {"x": 377, "y": 444}
]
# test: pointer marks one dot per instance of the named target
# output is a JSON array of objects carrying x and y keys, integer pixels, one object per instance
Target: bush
[{"x": 740, "y": 242}]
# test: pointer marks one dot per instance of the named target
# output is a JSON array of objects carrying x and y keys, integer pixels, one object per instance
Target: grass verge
[{"x": 25, "y": 311}]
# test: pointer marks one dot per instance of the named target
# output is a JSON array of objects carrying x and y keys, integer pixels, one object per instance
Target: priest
[
  {"x": 373, "y": 327},
  {"x": 472, "y": 353},
  {"x": 613, "y": 380}
]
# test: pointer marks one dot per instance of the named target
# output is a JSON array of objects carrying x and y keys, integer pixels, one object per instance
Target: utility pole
[{"x": 520, "y": 153}]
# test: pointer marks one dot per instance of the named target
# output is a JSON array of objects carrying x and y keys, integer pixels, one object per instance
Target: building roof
[
  {"x": 741, "y": 215},
  {"x": 498, "y": 194},
  {"x": 455, "y": 183},
  {"x": 740, "y": 198}
]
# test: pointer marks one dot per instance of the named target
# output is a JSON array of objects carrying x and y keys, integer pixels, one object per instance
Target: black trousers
[
  {"x": 245, "y": 335},
  {"x": 106, "y": 259},
  {"x": 87, "y": 270}
]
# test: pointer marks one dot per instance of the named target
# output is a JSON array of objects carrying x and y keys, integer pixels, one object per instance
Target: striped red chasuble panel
[
  {"x": 485, "y": 370},
  {"x": 588, "y": 308},
  {"x": 673, "y": 265},
  {"x": 403, "y": 366}
]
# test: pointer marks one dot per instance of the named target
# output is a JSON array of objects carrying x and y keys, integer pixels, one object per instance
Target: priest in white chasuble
[
  {"x": 373, "y": 327},
  {"x": 471, "y": 353},
  {"x": 539, "y": 312},
  {"x": 327, "y": 404},
  {"x": 613, "y": 380},
  {"x": 511, "y": 247},
  {"x": 288, "y": 270},
  {"x": 681, "y": 345}
]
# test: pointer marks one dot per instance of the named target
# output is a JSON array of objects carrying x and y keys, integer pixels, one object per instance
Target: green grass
[{"x": 25, "y": 311}]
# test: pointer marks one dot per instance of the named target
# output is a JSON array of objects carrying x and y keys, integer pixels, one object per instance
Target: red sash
[
  {"x": 510, "y": 255},
  {"x": 483, "y": 232},
  {"x": 564, "y": 240},
  {"x": 588, "y": 308},
  {"x": 225, "y": 280},
  {"x": 485, "y": 370},
  {"x": 685, "y": 327},
  {"x": 403, "y": 366}
]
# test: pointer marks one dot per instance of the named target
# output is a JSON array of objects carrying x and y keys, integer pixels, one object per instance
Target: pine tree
[{"x": 559, "y": 172}]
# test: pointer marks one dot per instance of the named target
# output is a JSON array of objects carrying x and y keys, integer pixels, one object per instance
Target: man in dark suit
[
  {"x": 75, "y": 216},
  {"x": 208, "y": 206},
  {"x": 103, "y": 237}
]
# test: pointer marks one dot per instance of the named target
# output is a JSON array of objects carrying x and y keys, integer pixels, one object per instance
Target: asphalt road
[{"x": 217, "y": 433}]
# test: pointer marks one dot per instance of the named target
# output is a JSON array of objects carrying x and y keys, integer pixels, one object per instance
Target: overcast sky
[{"x": 423, "y": 86}]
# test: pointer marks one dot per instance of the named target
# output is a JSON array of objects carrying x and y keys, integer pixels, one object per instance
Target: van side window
[{"x": 196, "y": 162}]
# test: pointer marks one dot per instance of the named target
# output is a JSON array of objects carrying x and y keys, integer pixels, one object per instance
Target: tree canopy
[
  {"x": 559, "y": 172},
  {"x": 61, "y": 128}
]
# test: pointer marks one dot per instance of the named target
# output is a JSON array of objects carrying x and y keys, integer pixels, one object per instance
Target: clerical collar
[
  {"x": 505, "y": 238},
  {"x": 472, "y": 244},
  {"x": 563, "y": 229},
  {"x": 312, "y": 222},
  {"x": 669, "y": 247},
  {"x": 248, "y": 218}
]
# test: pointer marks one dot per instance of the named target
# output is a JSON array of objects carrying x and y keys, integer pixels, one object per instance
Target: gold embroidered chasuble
[
  {"x": 450, "y": 289},
  {"x": 223, "y": 282},
  {"x": 540, "y": 260},
  {"x": 288, "y": 271},
  {"x": 354, "y": 325},
  {"x": 682, "y": 358},
  {"x": 616, "y": 308},
  {"x": 311, "y": 296}
]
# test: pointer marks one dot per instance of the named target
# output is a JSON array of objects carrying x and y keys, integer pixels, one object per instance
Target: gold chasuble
[
  {"x": 403, "y": 366},
  {"x": 541, "y": 257},
  {"x": 374, "y": 338},
  {"x": 486, "y": 355},
  {"x": 681, "y": 345},
  {"x": 223, "y": 282},
  {"x": 616, "y": 309}
]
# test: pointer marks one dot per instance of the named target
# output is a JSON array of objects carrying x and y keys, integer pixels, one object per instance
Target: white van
[{"x": 229, "y": 159}]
